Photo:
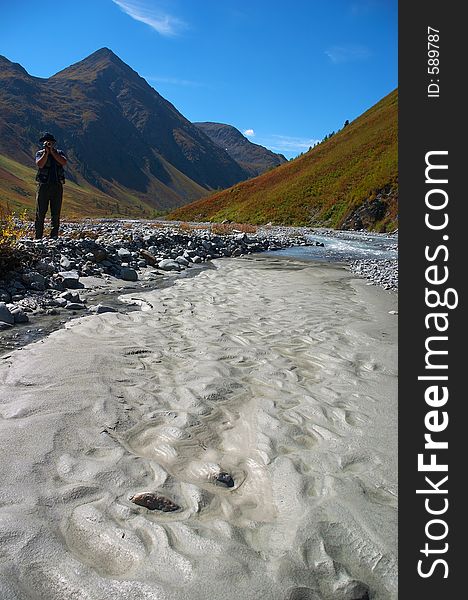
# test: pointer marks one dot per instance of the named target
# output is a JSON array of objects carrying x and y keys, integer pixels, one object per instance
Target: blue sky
[{"x": 285, "y": 72}]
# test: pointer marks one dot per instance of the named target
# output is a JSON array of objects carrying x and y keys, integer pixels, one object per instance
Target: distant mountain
[
  {"x": 122, "y": 138},
  {"x": 252, "y": 157},
  {"x": 348, "y": 181}
]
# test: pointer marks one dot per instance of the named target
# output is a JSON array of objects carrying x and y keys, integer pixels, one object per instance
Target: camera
[{"x": 47, "y": 144}]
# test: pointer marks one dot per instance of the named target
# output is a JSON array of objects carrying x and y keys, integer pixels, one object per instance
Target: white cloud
[
  {"x": 157, "y": 19},
  {"x": 349, "y": 53},
  {"x": 249, "y": 133}
]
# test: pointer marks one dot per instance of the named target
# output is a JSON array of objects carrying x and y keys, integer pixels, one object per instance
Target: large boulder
[
  {"x": 70, "y": 279},
  {"x": 167, "y": 264},
  {"x": 5, "y": 314},
  {"x": 128, "y": 274}
]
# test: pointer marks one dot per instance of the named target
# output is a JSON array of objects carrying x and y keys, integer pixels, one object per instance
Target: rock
[
  {"x": 4, "y": 326},
  {"x": 36, "y": 285},
  {"x": 70, "y": 279},
  {"x": 19, "y": 315},
  {"x": 71, "y": 296},
  {"x": 128, "y": 274},
  {"x": 149, "y": 257},
  {"x": 101, "y": 308},
  {"x": 154, "y": 502},
  {"x": 183, "y": 261},
  {"x": 45, "y": 267},
  {"x": 5, "y": 314},
  {"x": 34, "y": 277},
  {"x": 124, "y": 254},
  {"x": 241, "y": 237},
  {"x": 74, "y": 306},
  {"x": 196, "y": 259},
  {"x": 168, "y": 264},
  {"x": 65, "y": 263},
  {"x": 61, "y": 302},
  {"x": 99, "y": 254},
  {"x": 225, "y": 479}
]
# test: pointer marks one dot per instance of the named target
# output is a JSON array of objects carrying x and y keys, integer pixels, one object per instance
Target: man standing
[{"x": 50, "y": 179}]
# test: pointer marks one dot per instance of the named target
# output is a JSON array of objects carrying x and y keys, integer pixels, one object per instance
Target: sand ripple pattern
[{"x": 281, "y": 374}]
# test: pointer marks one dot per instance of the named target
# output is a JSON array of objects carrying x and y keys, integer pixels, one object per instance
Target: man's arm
[
  {"x": 58, "y": 157},
  {"x": 41, "y": 161}
]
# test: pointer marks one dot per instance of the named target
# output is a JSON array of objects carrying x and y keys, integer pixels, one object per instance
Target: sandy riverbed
[{"x": 281, "y": 373}]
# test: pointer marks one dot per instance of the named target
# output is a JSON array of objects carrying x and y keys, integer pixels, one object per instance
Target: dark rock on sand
[
  {"x": 226, "y": 479},
  {"x": 101, "y": 308},
  {"x": 153, "y": 501}
]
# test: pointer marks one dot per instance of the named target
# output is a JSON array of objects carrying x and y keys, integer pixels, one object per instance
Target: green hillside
[{"x": 350, "y": 179}]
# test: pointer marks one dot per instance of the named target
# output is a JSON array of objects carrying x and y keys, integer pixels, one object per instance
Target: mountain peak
[
  {"x": 98, "y": 61},
  {"x": 103, "y": 54}
]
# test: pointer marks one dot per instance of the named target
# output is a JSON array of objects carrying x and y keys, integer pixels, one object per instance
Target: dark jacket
[{"x": 51, "y": 172}]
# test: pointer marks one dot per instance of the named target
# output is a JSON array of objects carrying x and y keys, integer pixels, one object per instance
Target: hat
[{"x": 47, "y": 137}]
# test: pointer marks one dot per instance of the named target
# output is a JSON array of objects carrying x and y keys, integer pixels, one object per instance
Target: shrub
[{"x": 12, "y": 229}]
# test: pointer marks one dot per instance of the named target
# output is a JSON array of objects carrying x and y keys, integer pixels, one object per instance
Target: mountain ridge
[
  {"x": 121, "y": 136},
  {"x": 256, "y": 159}
]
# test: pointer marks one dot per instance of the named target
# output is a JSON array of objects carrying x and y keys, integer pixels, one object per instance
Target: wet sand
[{"x": 280, "y": 373}]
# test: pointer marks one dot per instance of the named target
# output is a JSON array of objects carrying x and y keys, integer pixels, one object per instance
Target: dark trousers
[{"x": 48, "y": 194}]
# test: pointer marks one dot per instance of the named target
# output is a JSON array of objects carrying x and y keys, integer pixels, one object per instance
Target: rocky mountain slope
[
  {"x": 122, "y": 138},
  {"x": 252, "y": 157}
]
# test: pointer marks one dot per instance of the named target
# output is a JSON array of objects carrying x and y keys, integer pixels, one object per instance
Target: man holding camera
[{"x": 50, "y": 179}]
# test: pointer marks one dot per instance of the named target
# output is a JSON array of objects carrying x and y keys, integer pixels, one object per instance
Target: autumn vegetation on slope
[{"x": 325, "y": 186}]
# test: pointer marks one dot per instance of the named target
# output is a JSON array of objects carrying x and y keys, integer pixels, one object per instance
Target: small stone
[
  {"x": 149, "y": 256},
  {"x": 71, "y": 296},
  {"x": 101, "y": 308},
  {"x": 226, "y": 479},
  {"x": 74, "y": 306},
  {"x": 154, "y": 502},
  {"x": 124, "y": 254},
  {"x": 65, "y": 263}
]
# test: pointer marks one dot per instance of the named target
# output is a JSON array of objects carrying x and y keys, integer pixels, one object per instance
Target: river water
[{"x": 344, "y": 246}]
